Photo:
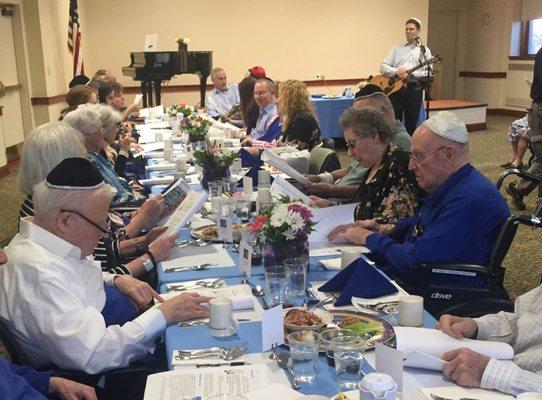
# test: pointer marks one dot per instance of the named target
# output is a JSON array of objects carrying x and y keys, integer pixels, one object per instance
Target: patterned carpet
[{"x": 488, "y": 150}]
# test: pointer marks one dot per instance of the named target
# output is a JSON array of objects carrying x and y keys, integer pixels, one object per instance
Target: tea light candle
[
  {"x": 168, "y": 153},
  {"x": 168, "y": 143},
  {"x": 159, "y": 136},
  {"x": 264, "y": 178},
  {"x": 264, "y": 196},
  {"x": 237, "y": 166},
  {"x": 247, "y": 185},
  {"x": 410, "y": 311},
  {"x": 181, "y": 164},
  {"x": 219, "y": 142}
]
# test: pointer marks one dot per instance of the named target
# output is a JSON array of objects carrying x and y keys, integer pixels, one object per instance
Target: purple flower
[{"x": 305, "y": 213}]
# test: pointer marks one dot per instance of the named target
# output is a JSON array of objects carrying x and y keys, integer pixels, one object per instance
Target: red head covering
[{"x": 257, "y": 72}]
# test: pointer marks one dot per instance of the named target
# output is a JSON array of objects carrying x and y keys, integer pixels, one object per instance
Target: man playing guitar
[{"x": 401, "y": 58}]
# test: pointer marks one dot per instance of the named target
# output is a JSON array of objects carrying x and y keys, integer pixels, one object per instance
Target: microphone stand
[{"x": 425, "y": 83}]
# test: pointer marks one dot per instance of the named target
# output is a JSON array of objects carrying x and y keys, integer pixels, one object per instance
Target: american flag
[{"x": 74, "y": 40}]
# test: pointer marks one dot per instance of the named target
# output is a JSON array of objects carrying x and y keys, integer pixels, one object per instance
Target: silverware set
[
  {"x": 179, "y": 287},
  {"x": 195, "y": 242},
  {"x": 384, "y": 307},
  {"x": 223, "y": 353},
  {"x": 198, "y": 267},
  {"x": 204, "y": 322},
  {"x": 435, "y": 397}
]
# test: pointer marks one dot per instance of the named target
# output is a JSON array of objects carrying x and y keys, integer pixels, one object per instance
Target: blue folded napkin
[{"x": 359, "y": 279}]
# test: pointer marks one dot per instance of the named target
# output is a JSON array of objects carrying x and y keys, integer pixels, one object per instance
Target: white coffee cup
[
  {"x": 410, "y": 311},
  {"x": 221, "y": 321},
  {"x": 348, "y": 256}
]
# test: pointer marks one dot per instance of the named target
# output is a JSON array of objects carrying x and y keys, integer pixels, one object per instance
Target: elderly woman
[
  {"x": 119, "y": 103},
  {"x": 298, "y": 119},
  {"x": 44, "y": 148},
  {"x": 388, "y": 190},
  {"x": 87, "y": 119},
  {"x": 78, "y": 95}
]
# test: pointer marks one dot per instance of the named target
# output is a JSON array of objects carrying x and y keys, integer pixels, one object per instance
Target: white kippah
[
  {"x": 417, "y": 20},
  {"x": 447, "y": 125}
]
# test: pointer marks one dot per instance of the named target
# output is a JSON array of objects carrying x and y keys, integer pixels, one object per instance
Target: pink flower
[
  {"x": 305, "y": 213},
  {"x": 258, "y": 223},
  {"x": 182, "y": 104}
]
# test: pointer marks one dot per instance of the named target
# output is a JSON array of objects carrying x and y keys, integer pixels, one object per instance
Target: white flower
[
  {"x": 290, "y": 234},
  {"x": 295, "y": 221},
  {"x": 280, "y": 213}
]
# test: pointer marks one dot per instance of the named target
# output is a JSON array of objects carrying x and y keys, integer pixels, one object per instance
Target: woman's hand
[{"x": 161, "y": 247}]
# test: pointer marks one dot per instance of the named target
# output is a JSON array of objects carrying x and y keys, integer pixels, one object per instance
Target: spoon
[
  {"x": 199, "y": 267},
  {"x": 259, "y": 291},
  {"x": 285, "y": 362},
  {"x": 323, "y": 302}
]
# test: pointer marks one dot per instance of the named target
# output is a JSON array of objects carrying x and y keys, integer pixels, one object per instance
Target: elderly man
[
  {"x": 52, "y": 293},
  {"x": 343, "y": 183},
  {"x": 460, "y": 218},
  {"x": 264, "y": 96},
  {"x": 223, "y": 97},
  {"x": 520, "y": 329}
]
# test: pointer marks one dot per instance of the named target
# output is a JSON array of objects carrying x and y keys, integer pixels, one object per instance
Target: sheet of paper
[
  {"x": 241, "y": 295},
  {"x": 457, "y": 393},
  {"x": 151, "y": 42},
  {"x": 389, "y": 361},
  {"x": 162, "y": 180},
  {"x": 281, "y": 187},
  {"x": 330, "y": 217},
  {"x": 272, "y": 327},
  {"x": 186, "y": 210},
  {"x": 427, "y": 361},
  {"x": 326, "y": 248},
  {"x": 146, "y": 135},
  {"x": 436, "y": 343},
  {"x": 245, "y": 258},
  {"x": 274, "y": 392},
  {"x": 213, "y": 254},
  {"x": 153, "y": 112},
  {"x": 137, "y": 98},
  {"x": 225, "y": 229},
  {"x": 206, "y": 382},
  {"x": 173, "y": 196},
  {"x": 279, "y": 163}
]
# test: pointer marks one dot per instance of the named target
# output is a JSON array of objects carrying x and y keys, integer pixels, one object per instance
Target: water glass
[
  {"x": 227, "y": 207},
  {"x": 348, "y": 354},
  {"x": 304, "y": 353},
  {"x": 229, "y": 186},
  {"x": 242, "y": 207},
  {"x": 296, "y": 274},
  {"x": 327, "y": 338},
  {"x": 275, "y": 282},
  {"x": 215, "y": 194}
]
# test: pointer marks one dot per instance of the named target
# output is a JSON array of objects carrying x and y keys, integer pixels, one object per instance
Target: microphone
[{"x": 417, "y": 39}]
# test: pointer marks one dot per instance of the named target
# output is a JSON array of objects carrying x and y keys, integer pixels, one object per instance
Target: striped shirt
[
  {"x": 522, "y": 329},
  {"x": 107, "y": 252}
]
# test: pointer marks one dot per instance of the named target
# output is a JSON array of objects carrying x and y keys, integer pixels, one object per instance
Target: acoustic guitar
[{"x": 394, "y": 84}]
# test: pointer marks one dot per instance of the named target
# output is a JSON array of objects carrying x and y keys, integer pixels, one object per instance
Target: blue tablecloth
[
  {"x": 328, "y": 112},
  {"x": 250, "y": 333}
]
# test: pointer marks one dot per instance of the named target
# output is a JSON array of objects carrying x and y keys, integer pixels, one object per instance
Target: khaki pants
[{"x": 535, "y": 136}]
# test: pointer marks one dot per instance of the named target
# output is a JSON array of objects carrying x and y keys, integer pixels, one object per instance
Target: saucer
[{"x": 223, "y": 332}]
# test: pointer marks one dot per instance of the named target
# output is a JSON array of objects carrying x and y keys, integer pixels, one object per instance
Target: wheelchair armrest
[
  {"x": 478, "y": 269},
  {"x": 83, "y": 377},
  {"x": 513, "y": 171}
]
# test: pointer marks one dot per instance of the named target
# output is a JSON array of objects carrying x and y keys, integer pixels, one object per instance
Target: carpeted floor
[{"x": 488, "y": 150}]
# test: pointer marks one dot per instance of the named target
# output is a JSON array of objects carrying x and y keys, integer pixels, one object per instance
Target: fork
[
  {"x": 215, "y": 284},
  {"x": 435, "y": 397},
  {"x": 198, "y": 267},
  {"x": 223, "y": 353}
]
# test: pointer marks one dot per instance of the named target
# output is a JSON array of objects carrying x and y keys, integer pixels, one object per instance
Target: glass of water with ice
[
  {"x": 275, "y": 282},
  {"x": 296, "y": 275},
  {"x": 304, "y": 353},
  {"x": 348, "y": 353}
]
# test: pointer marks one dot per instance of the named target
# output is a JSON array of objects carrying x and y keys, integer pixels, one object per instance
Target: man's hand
[
  {"x": 152, "y": 208},
  {"x": 402, "y": 73},
  {"x": 65, "y": 389},
  {"x": 154, "y": 234},
  {"x": 312, "y": 178},
  {"x": 320, "y": 203},
  {"x": 350, "y": 233},
  {"x": 161, "y": 247},
  {"x": 465, "y": 366},
  {"x": 457, "y": 327},
  {"x": 125, "y": 142},
  {"x": 184, "y": 307},
  {"x": 139, "y": 293}
]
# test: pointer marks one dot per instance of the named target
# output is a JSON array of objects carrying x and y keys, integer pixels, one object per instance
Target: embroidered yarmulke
[
  {"x": 445, "y": 124},
  {"x": 74, "y": 174}
]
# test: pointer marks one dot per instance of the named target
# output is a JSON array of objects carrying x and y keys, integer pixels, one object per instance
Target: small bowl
[{"x": 324, "y": 316}]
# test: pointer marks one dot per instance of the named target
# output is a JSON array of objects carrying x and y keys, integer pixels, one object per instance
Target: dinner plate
[
  {"x": 324, "y": 316},
  {"x": 202, "y": 233},
  {"x": 331, "y": 96}
]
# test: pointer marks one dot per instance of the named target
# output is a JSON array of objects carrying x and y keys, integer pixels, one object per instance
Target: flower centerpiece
[
  {"x": 195, "y": 126},
  {"x": 283, "y": 229},
  {"x": 215, "y": 164},
  {"x": 182, "y": 42}
]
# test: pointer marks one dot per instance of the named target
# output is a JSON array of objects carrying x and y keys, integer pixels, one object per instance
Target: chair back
[
  {"x": 323, "y": 160},
  {"x": 503, "y": 243},
  {"x": 9, "y": 342}
]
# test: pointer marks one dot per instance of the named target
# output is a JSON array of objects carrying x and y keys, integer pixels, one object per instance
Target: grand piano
[{"x": 153, "y": 67}]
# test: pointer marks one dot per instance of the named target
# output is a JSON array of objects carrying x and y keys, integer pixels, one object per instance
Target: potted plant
[{"x": 215, "y": 164}]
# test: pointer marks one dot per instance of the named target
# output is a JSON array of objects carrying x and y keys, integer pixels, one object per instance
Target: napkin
[
  {"x": 458, "y": 393},
  {"x": 359, "y": 279},
  {"x": 332, "y": 264}
]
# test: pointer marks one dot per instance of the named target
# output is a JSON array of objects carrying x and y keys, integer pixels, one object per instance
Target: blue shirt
[
  {"x": 458, "y": 222},
  {"x": 265, "y": 118},
  {"x": 22, "y": 382},
  {"x": 219, "y": 102}
]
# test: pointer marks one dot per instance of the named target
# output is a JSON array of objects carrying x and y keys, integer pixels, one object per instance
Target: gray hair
[
  {"x": 215, "y": 71},
  {"x": 270, "y": 84},
  {"x": 365, "y": 122},
  {"x": 86, "y": 118},
  {"x": 379, "y": 101},
  {"x": 44, "y": 148},
  {"x": 48, "y": 201},
  {"x": 109, "y": 116}
]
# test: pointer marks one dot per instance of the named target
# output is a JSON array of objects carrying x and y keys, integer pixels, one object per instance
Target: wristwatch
[{"x": 147, "y": 262}]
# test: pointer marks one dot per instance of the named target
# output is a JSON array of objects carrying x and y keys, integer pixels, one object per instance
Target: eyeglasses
[
  {"x": 419, "y": 157},
  {"x": 105, "y": 231},
  {"x": 352, "y": 143}
]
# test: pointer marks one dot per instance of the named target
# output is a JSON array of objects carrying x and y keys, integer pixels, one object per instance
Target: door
[
  {"x": 12, "y": 118},
  {"x": 442, "y": 40}
]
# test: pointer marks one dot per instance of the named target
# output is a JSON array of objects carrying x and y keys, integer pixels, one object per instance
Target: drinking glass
[
  {"x": 242, "y": 207},
  {"x": 296, "y": 273},
  {"x": 229, "y": 186},
  {"x": 348, "y": 354},
  {"x": 275, "y": 282},
  {"x": 304, "y": 353},
  {"x": 327, "y": 337}
]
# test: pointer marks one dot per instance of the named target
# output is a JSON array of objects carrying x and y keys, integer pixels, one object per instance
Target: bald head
[
  {"x": 379, "y": 102},
  {"x": 434, "y": 158}
]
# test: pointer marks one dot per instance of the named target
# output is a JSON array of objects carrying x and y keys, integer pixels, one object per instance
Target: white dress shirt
[
  {"x": 220, "y": 102},
  {"x": 407, "y": 56},
  {"x": 52, "y": 300},
  {"x": 522, "y": 329},
  {"x": 267, "y": 115}
]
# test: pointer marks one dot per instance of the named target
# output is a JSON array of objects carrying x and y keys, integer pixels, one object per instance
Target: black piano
[{"x": 153, "y": 67}]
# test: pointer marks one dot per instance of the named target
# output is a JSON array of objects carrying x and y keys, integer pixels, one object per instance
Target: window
[{"x": 526, "y": 39}]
